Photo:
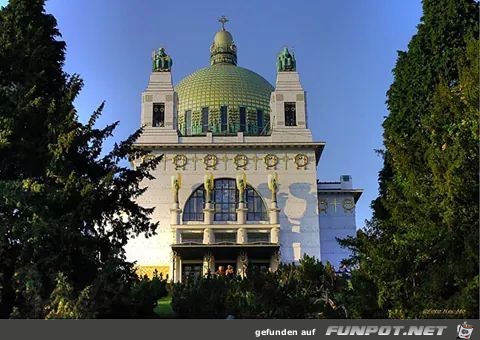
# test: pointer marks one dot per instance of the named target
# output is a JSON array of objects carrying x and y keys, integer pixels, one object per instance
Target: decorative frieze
[
  {"x": 324, "y": 205},
  {"x": 239, "y": 161}
]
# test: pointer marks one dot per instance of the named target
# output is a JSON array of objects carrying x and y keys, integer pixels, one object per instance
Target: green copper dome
[{"x": 223, "y": 98}]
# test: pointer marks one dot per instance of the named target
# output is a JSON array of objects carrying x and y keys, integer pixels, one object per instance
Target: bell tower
[
  {"x": 159, "y": 100},
  {"x": 288, "y": 102}
]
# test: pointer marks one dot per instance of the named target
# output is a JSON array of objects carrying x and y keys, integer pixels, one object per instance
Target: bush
[
  {"x": 137, "y": 299},
  {"x": 305, "y": 291}
]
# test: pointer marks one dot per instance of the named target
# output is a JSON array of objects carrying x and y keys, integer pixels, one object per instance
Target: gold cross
[
  {"x": 285, "y": 159},
  {"x": 225, "y": 160},
  {"x": 195, "y": 161},
  {"x": 223, "y": 21},
  {"x": 255, "y": 159},
  {"x": 335, "y": 203}
]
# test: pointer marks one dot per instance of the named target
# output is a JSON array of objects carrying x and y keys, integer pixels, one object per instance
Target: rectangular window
[
  {"x": 188, "y": 123},
  {"x": 290, "y": 114},
  {"x": 158, "y": 116},
  {"x": 204, "y": 119},
  {"x": 223, "y": 118},
  {"x": 243, "y": 118},
  {"x": 187, "y": 237},
  {"x": 260, "y": 121},
  {"x": 223, "y": 237},
  {"x": 258, "y": 237}
]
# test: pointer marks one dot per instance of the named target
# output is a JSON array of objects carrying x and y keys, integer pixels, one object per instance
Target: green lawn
[{"x": 164, "y": 309}]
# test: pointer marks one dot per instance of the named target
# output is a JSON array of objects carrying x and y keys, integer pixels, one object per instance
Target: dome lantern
[{"x": 223, "y": 49}]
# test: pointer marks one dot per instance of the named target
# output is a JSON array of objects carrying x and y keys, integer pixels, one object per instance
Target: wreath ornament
[
  {"x": 210, "y": 161},
  {"x": 270, "y": 160},
  {"x": 180, "y": 161},
  {"x": 348, "y": 204},
  {"x": 240, "y": 161},
  {"x": 301, "y": 160}
]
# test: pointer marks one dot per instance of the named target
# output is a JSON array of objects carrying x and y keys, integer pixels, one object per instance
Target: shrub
[{"x": 305, "y": 291}]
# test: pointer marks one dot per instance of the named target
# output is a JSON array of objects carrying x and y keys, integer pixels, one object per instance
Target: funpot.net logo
[{"x": 386, "y": 330}]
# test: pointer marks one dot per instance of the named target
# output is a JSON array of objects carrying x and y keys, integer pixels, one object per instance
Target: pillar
[
  {"x": 241, "y": 213},
  {"x": 241, "y": 236},
  {"x": 176, "y": 267},
  {"x": 175, "y": 212},
  {"x": 208, "y": 213},
  {"x": 175, "y": 236},
  {"x": 275, "y": 235},
  {"x": 274, "y": 212},
  {"x": 208, "y": 237}
]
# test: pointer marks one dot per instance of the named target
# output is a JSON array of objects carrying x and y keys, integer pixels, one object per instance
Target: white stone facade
[{"x": 337, "y": 217}]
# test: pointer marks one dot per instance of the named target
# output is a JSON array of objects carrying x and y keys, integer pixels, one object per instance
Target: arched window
[{"x": 225, "y": 199}]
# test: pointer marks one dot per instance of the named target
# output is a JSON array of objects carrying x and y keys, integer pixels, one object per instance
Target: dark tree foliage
[
  {"x": 420, "y": 251},
  {"x": 307, "y": 290},
  {"x": 66, "y": 207}
]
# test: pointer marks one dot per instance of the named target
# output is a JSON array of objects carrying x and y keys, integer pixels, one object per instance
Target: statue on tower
[
  {"x": 161, "y": 62},
  {"x": 286, "y": 61}
]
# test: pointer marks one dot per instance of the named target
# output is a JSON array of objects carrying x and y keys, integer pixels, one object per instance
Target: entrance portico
[{"x": 210, "y": 256}]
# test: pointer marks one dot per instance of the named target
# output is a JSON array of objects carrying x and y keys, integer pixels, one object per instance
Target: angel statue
[
  {"x": 208, "y": 183},
  {"x": 273, "y": 185},
  {"x": 176, "y": 185},
  {"x": 241, "y": 186}
]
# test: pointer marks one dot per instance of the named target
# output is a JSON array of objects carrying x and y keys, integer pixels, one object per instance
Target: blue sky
[{"x": 345, "y": 53}]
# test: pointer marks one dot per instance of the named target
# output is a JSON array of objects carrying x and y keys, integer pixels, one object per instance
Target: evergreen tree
[
  {"x": 66, "y": 210},
  {"x": 420, "y": 250}
]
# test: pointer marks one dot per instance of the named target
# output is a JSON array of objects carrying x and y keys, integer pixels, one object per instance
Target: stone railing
[{"x": 241, "y": 237}]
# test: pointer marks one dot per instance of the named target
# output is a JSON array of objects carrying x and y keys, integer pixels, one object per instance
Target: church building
[{"x": 237, "y": 184}]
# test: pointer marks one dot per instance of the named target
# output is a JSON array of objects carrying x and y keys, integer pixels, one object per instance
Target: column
[
  {"x": 209, "y": 185},
  {"x": 241, "y": 213},
  {"x": 273, "y": 186},
  {"x": 175, "y": 236},
  {"x": 208, "y": 213},
  {"x": 241, "y": 236},
  {"x": 176, "y": 267},
  {"x": 208, "y": 236},
  {"x": 175, "y": 212},
  {"x": 274, "y": 212},
  {"x": 275, "y": 235}
]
